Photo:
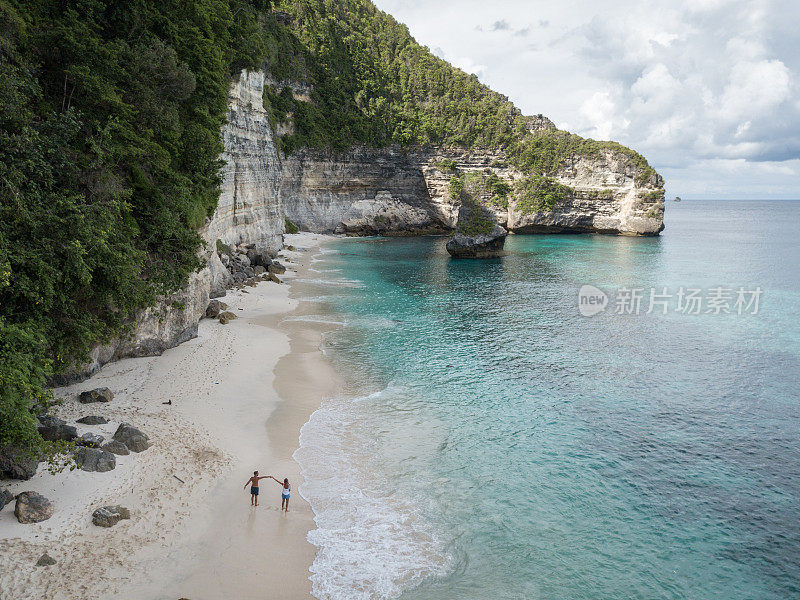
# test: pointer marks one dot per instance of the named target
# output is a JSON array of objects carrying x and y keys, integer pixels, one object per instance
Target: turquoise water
[{"x": 497, "y": 444}]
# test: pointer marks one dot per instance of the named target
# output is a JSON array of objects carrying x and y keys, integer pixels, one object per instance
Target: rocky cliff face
[
  {"x": 369, "y": 191},
  {"x": 365, "y": 191},
  {"x": 362, "y": 191},
  {"x": 248, "y": 213}
]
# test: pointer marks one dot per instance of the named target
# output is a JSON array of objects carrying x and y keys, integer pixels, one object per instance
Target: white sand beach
[{"x": 240, "y": 393}]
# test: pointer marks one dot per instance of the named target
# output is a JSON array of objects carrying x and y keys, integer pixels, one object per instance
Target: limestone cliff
[
  {"x": 248, "y": 213},
  {"x": 367, "y": 191}
]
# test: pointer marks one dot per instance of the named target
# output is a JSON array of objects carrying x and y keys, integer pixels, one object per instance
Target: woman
[{"x": 285, "y": 493}]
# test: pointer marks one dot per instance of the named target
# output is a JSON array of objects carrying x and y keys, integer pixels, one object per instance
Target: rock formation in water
[{"x": 477, "y": 234}]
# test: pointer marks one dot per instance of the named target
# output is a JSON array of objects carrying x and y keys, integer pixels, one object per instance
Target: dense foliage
[
  {"x": 485, "y": 187},
  {"x": 537, "y": 193},
  {"x": 371, "y": 83},
  {"x": 374, "y": 85},
  {"x": 109, "y": 143}
]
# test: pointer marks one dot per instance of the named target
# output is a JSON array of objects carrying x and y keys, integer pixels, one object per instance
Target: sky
[{"x": 707, "y": 90}]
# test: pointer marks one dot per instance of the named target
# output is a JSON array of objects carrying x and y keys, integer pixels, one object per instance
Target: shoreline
[{"x": 240, "y": 392}]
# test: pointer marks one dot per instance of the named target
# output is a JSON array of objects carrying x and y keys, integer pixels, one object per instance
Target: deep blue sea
[{"x": 495, "y": 444}]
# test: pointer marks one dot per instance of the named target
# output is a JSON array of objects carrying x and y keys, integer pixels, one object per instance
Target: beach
[{"x": 239, "y": 395}]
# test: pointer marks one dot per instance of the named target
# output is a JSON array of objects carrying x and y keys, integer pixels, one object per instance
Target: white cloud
[{"x": 700, "y": 85}]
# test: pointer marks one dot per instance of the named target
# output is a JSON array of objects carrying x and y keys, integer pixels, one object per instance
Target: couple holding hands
[{"x": 285, "y": 491}]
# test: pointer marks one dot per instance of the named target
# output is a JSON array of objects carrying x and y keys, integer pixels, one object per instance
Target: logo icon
[{"x": 591, "y": 300}]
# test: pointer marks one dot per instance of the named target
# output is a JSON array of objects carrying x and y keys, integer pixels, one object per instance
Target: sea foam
[{"x": 370, "y": 542}]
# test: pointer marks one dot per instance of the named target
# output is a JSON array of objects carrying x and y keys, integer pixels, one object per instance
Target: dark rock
[
  {"x": 16, "y": 464},
  {"x": 45, "y": 561},
  {"x": 477, "y": 235},
  {"x": 259, "y": 270},
  {"x": 94, "y": 460},
  {"x": 116, "y": 447},
  {"x": 134, "y": 439},
  {"x": 291, "y": 248},
  {"x": 54, "y": 429},
  {"x": 97, "y": 395},
  {"x": 239, "y": 277},
  {"x": 273, "y": 277},
  {"x": 108, "y": 516},
  {"x": 277, "y": 268},
  {"x": 243, "y": 260},
  {"x": 226, "y": 317},
  {"x": 5, "y": 498},
  {"x": 250, "y": 272},
  {"x": 214, "y": 308},
  {"x": 32, "y": 508},
  {"x": 253, "y": 256},
  {"x": 93, "y": 420},
  {"x": 263, "y": 259},
  {"x": 90, "y": 440}
]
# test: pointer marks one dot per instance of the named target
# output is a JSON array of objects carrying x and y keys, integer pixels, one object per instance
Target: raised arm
[
  {"x": 248, "y": 483},
  {"x": 276, "y": 479}
]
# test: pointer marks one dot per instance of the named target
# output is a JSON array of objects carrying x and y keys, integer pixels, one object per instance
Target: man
[{"x": 253, "y": 483}]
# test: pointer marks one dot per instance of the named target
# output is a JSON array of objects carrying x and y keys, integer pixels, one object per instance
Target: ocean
[{"x": 496, "y": 442}]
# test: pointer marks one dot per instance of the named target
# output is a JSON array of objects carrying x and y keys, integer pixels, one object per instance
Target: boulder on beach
[
  {"x": 214, "y": 308},
  {"x": 45, "y": 560},
  {"x": 243, "y": 261},
  {"x": 274, "y": 278},
  {"x": 108, "y": 516},
  {"x": 102, "y": 394},
  {"x": 259, "y": 270},
  {"x": 94, "y": 460},
  {"x": 16, "y": 464},
  {"x": 54, "y": 429},
  {"x": 226, "y": 317},
  {"x": 133, "y": 438},
  {"x": 276, "y": 268},
  {"x": 116, "y": 447},
  {"x": 92, "y": 420},
  {"x": 90, "y": 440},
  {"x": 5, "y": 498},
  {"x": 259, "y": 258},
  {"x": 32, "y": 508}
]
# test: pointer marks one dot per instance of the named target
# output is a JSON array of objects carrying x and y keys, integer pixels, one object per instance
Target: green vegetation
[
  {"x": 544, "y": 152},
  {"x": 472, "y": 191},
  {"x": 446, "y": 165},
  {"x": 537, "y": 193},
  {"x": 374, "y": 85},
  {"x": 652, "y": 196},
  {"x": 291, "y": 227},
  {"x": 109, "y": 157},
  {"x": 223, "y": 248}
]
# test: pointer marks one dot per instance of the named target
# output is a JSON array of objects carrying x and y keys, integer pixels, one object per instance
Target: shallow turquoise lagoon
[{"x": 496, "y": 444}]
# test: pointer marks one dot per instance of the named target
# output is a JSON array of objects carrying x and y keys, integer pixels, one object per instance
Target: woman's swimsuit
[{"x": 285, "y": 493}]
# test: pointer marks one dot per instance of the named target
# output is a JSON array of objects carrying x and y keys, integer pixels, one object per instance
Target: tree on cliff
[{"x": 109, "y": 158}]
